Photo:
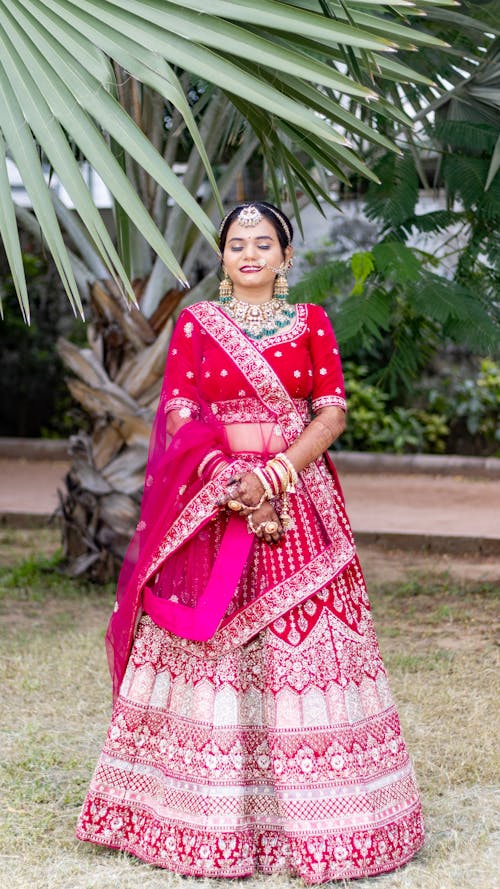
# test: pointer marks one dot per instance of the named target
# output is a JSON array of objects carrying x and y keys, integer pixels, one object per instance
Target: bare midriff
[{"x": 253, "y": 438}]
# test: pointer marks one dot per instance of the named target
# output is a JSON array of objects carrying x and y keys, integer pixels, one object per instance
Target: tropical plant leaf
[
  {"x": 434, "y": 221},
  {"x": 323, "y": 283},
  {"x": 25, "y": 155},
  {"x": 465, "y": 177},
  {"x": 362, "y": 265},
  {"x": 10, "y": 238},
  {"x": 66, "y": 47},
  {"x": 494, "y": 165},
  {"x": 396, "y": 261},
  {"x": 475, "y": 138},
  {"x": 363, "y": 318},
  {"x": 394, "y": 200},
  {"x": 463, "y": 316}
]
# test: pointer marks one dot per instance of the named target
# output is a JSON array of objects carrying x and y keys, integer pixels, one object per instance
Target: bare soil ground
[{"x": 435, "y": 617}]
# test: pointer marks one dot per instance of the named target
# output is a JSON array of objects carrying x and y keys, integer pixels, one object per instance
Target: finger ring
[
  {"x": 251, "y": 527},
  {"x": 235, "y": 505},
  {"x": 271, "y": 527}
]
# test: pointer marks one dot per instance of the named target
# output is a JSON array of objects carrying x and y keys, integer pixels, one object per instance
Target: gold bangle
[
  {"x": 280, "y": 471},
  {"x": 264, "y": 482},
  {"x": 290, "y": 467},
  {"x": 206, "y": 460},
  {"x": 275, "y": 478}
]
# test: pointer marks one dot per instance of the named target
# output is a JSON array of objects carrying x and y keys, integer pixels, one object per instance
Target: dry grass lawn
[{"x": 435, "y": 620}]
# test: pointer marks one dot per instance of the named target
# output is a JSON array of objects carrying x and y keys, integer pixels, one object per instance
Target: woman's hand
[
  {"x": 248, "y": 490},
  {"x": 245, "y": 488},
  {"x": 266, "y": 515}
]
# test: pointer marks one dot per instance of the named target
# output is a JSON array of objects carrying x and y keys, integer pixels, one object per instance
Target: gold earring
[
  {"x": 280, "y": 290},
  {"x": 225, "y": 288}
]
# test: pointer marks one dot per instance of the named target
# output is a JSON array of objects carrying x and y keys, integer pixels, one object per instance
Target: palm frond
[{"x": 62, "y": 51}]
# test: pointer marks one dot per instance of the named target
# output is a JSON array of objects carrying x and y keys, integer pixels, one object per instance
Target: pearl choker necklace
[{"x": 259, "y": 320}]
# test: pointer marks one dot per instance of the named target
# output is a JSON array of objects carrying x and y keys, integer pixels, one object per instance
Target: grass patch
[{"x": 436, "y": 634}]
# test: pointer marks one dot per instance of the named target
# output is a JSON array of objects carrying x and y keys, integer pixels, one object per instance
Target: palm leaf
[
  {"x": 25, "y": 155},
  {"x": 494, "y": 165},
  {"x": 61, "y": 49},
  {"x": 10, "y": 238},
  {"x": 272, "y": 14}
]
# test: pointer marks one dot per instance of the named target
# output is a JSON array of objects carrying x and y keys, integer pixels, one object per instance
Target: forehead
[{"x": 264, "y": 229}]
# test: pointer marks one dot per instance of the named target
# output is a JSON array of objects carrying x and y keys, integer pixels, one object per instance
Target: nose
[{"x": 250, "y": 251}]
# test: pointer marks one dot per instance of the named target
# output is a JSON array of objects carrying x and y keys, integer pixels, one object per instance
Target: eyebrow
[{"x": 258, "y": 238}]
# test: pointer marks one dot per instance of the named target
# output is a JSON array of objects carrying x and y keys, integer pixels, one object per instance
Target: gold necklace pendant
[{"x": 259, "y": 320}]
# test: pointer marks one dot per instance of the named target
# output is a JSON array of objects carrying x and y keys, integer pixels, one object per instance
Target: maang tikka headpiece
[{"x": 250, "y": 215}]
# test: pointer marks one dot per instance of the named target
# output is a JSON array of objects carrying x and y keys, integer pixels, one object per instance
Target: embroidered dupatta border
[{"x": 197, "y": 512}]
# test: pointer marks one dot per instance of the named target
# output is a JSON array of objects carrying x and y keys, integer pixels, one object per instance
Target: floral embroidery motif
[
  {"x": 204, "y": 801},
  {"x": 251, "y": 410},
  {"x": 323, "y": 371},
  {"x": 188, "y": 329}
]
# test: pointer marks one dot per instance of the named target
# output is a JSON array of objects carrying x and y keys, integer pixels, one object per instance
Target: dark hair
[{"x": 270, "y": 212}]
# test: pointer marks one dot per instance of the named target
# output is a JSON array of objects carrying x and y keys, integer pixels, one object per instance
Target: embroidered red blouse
[{"x": 305, "y": 357}]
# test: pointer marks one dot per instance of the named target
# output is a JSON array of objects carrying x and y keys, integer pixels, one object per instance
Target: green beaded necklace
[{"x": 260, "y": 320}]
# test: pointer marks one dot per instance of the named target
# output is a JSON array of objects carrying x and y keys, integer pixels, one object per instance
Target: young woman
[{"x": 253, "y": 728}]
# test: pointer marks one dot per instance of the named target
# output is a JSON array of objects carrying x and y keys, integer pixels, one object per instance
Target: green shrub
[
  {"x": 375, "y": 425},
  {"x": 471, "y": 406}
]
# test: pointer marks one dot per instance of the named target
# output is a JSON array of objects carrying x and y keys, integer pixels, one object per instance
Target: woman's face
[{"x": 248, "y": 253}]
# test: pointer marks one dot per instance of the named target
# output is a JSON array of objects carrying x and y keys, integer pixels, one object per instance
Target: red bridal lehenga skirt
[{"x": 283, "y": 755}]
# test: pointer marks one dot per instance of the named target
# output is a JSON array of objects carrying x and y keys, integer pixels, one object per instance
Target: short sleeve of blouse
[
  {"x": 181, "y": 388},
  {"x": 328, "y": 381}
]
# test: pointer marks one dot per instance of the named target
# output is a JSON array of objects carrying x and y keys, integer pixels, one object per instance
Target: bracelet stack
[
  {"x": 278, "y": 478},
  {"x": 212, "y": 464}
]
